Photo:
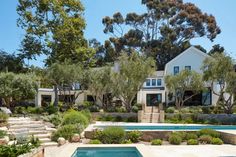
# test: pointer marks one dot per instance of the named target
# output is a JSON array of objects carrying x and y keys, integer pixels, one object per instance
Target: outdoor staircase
[
  {"x": 18, "y": 126},
  {"x": 150, "y": 115}
]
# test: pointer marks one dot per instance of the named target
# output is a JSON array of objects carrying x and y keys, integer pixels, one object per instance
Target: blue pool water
[
  {"x": 175, "y": 127},
  {"x": 107, "y": 152}
]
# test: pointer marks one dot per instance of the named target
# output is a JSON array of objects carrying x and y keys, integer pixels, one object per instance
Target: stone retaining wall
[
  {"x": 39, "y": 152},
  {"x": 95, "y": 115}
]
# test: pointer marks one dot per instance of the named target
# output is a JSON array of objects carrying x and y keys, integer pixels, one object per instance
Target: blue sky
[{"x": 95, "y": 10}]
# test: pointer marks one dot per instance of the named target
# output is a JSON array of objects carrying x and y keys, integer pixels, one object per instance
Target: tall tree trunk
[{"x": 56, "y": 96}]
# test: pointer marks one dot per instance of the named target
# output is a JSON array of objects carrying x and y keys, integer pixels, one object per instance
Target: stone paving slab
[{"x": 158, "y": 151}]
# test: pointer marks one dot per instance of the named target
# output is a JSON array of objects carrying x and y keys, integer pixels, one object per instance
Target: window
[
  {"x": 154, "y": 82},
  {"x": 176, "y": 70},
  {"x": 148, "y": 82},
  {"x": 158, "y": 82},
  {"x": 187, "y": 67},
  {"x": 153, "y": 99}
]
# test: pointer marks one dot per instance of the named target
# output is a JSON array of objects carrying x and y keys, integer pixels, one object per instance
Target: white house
[{"x": 154, "y": 89}]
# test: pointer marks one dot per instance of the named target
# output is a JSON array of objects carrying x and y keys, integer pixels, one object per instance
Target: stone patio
[{"x": 157, "y": 151}]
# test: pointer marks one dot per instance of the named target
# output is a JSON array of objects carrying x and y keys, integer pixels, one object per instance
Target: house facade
[{"x": 154, "y": 90}]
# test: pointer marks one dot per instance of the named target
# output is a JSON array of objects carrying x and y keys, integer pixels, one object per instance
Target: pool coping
[{"x": 140, "y": 147}]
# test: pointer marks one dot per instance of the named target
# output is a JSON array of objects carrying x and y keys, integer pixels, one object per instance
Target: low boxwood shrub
[
  {"x": 192, "y": 142},
  {"x": 3, "y": 117},
  {"x": 175, "y": 139},
  {"x": 216, "y": 141},
  {"x": 51, "y": 109},
  {"x": 126, "y": 141},
  {"x": 205, "y": 139},
  {"x": 75, "y": 117},
  {"x": 134, "y": 136},
  {"x": 67, "y": 131},
  {"x": 210, "y": 132},
  {"x": 182, "y": 134},
  {"x": 96, "y": 141},
  {"x": 156, "y": 142},
  {"x": 170, "y": 110},
  {"x": 112, "y": 135},
  {"x": 191, "y": 136}
]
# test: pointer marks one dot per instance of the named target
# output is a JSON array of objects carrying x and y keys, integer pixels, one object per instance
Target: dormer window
[
  {"x": 188, "y": 68},
  {"x": 176, "y": 70}
]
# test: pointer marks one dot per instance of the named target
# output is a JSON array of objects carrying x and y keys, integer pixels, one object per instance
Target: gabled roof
[{"x": 190, "y": 49}]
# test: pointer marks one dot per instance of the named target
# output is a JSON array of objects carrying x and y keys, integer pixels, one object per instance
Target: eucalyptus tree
[{"x": 162, "y": 32}]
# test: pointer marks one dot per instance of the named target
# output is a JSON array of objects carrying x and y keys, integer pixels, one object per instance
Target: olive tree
[
  {"x": 65, "y": 77},
  {"x": 17, "y": 87},
  {"x": 186, "y": 80},
  {"x": 128, "y": 80},
  {"x": 100, "y": 85},
  {"x": 219, "y": 70}
]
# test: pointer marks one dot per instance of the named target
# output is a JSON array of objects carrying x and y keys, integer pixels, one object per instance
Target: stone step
[
  {"x": 44, "y": 140},
  {"x": 24, "y": 122},
  {"x": 48, "y": 135},
  {"x": 49, "y": 144},
  {"x": 26, "y": 126},
  {"x": 38, "y": 132}
]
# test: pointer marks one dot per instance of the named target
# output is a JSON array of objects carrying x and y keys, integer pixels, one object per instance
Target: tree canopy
[
  {"x": 11, "y": 63},
  {"x": 219, "y": 70},
  {"x": 130, "y": 76},
  {"x": 163, "y": 31},
  {"x": 186, "y": 80},
  {"x": 17, "y": 87},
  {"x": 54, "y": 28}
]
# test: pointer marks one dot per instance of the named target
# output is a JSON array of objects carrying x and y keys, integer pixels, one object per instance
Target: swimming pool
[
  {"x": 172, "y": 127},
  {"x": 107, "y": 152}
]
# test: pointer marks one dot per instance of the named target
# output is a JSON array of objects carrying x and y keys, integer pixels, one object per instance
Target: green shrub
[
  {"x": 182, "y": 134},
  {"x": 192, "y": 142},
  {"x": 206, "y": 110},
  {"x": 96, "y": 141},
  {"x": 51, "y": 109},
  {"x": 55, "y": 119},
  {"x": 210, "y": 132},
  {"x": 3, "y": 117},
  {"x": 156, "y": 142},
  {"x": 112, "y": 135},
  {"x": 14, "y": 150},
  {"x": 126, "y": 141},
  {"x": 132, "y": 119},
  {"x": 2, "y": 133},
  {"x": 135, "y": 109},
  {"x": 216, "y": 141},
  {"x": 175, "y": 139},
  {"x": 75, "y": 117},
  {"x": 67, "y": 131},
  {"x": 191, "y": 136},
  {"x": 134, "y": 136},
  {"x": 35, "y": 141},
  {"x": 20, "y": 110},
  {"x": 87, "y": 114},
  {"x": 118, "y": 119},
  {"x": 22, "y": 138},
  {"x": 170, "y": 110},
  {"x": 205, "y": 139}
]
